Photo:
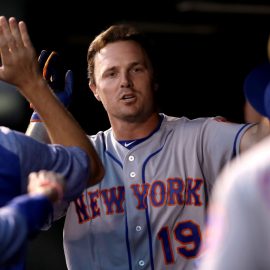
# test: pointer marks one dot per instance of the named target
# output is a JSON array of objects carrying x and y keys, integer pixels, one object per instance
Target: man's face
[{"x": 124, "y": 81}]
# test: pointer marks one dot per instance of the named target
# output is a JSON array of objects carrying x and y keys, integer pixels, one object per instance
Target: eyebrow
[{"x": 130, "y": 65}]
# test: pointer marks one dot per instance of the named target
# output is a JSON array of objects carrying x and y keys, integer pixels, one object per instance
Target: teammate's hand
[
  {"x": 54, "y": 73},
  {"x": 48, "y": 183}
]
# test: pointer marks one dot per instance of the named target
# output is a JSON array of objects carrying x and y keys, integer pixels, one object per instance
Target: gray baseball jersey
[
  {"x": 148, "y": 212},
  {"x": 237, "y": 234}
]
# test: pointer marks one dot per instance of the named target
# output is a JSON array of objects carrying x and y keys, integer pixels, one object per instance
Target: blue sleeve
[
  {"x": 71, "y": 162},
  {"x": 10, "y": 176},
  {"x": 20, "y": 219}
]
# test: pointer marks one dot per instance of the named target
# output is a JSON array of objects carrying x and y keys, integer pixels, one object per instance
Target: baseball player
[
  {"x": 236, "y": 235},
  {"x": 148, "y": 212},
  {"x": 20, "y": 155},
  {"x": 26, "y": 214}
]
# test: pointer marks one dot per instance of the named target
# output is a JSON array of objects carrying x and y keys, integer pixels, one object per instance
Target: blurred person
[
  {"x": 254, "y": 87},
  {"x": 250, "y": 114},
  {"x": 236, "y": 236}
]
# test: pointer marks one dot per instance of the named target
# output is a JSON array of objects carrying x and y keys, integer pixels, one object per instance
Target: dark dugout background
[{"x": 206, "y": 48}]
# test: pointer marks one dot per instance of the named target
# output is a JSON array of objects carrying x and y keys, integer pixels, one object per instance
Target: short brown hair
[{"x": 118, "y": 32}]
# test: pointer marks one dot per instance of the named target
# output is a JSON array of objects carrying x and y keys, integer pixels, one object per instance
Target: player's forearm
[{"x": 61, "y": 126}]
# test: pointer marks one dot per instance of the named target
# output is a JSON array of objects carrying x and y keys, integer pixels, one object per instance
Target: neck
[{"x": 124, "y": 130}]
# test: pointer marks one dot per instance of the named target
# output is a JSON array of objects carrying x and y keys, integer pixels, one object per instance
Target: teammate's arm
[
  {"x": 27, "y": 213},
  {"x": 20, "y": 67}
]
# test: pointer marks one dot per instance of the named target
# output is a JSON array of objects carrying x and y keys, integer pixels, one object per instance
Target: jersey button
[
  {"x": 138, "y": 228},
  {"x": 131, "y": 158},
  {"x": 141, "y": 263},
  {"x": 132, "y": 174}
]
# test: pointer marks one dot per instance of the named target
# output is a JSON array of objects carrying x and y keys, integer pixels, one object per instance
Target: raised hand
[{"x": 18, "y": 58}]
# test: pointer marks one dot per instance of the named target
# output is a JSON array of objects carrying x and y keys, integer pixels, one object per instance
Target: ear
[{"x": 93, "y": 88}]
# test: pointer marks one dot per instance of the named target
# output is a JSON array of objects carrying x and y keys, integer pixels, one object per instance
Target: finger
[
  {"x": 49, "y": 64},
  {"x": 31, "y": 175},
  {"x": 43, "y": 58},
  {"x": 8, "y": 40},
  {"x": 15, "y": 32},
  {"x": 31, "y": 181},
  {"x": 24, "y": 35},
  {"x": 69, "y": 83},
  {"x": 3, "y": 45},
  {"x": 54, "y": 72}
]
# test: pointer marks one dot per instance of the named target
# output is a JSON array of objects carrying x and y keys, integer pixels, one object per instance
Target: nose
[{"x": 126, "y": 81}]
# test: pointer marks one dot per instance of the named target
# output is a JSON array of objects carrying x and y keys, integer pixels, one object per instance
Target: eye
[
  {"x": 137, "y": 69},
  {"x": 110, "y": 74}
]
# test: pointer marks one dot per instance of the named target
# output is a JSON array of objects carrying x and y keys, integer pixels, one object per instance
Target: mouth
[{"x": 128, "y": 97}]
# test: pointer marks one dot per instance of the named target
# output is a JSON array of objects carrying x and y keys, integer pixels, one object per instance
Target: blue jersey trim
[
  {"x": 147, "y": 214},
  {"x": 109, "y": 154},
  {"x": 127, "y": 243},
  {"x": 131, "y": 143},
  {"x": 235, "y": 140},
  {"x": 146, "y": 209}
]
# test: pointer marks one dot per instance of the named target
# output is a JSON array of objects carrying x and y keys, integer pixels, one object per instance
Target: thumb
[{"x": 43, "y": 58}]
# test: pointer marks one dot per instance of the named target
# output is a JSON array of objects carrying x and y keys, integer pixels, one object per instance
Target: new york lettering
[{"x": 173, "y": 191}]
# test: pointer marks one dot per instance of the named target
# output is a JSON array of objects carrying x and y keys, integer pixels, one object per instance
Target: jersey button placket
[
  {"x": 134, "y": 176},
  {"x": 131, "y": 158},
  {"x": 141, "y": 263}
]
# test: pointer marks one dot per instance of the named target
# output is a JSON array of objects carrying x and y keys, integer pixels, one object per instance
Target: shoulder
[
  {"x": 99, "y": 140},
  {"x": 100, "y": 135},
  {"x": 196, "y": 123},
  {"x": 183, "y": 120}
]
